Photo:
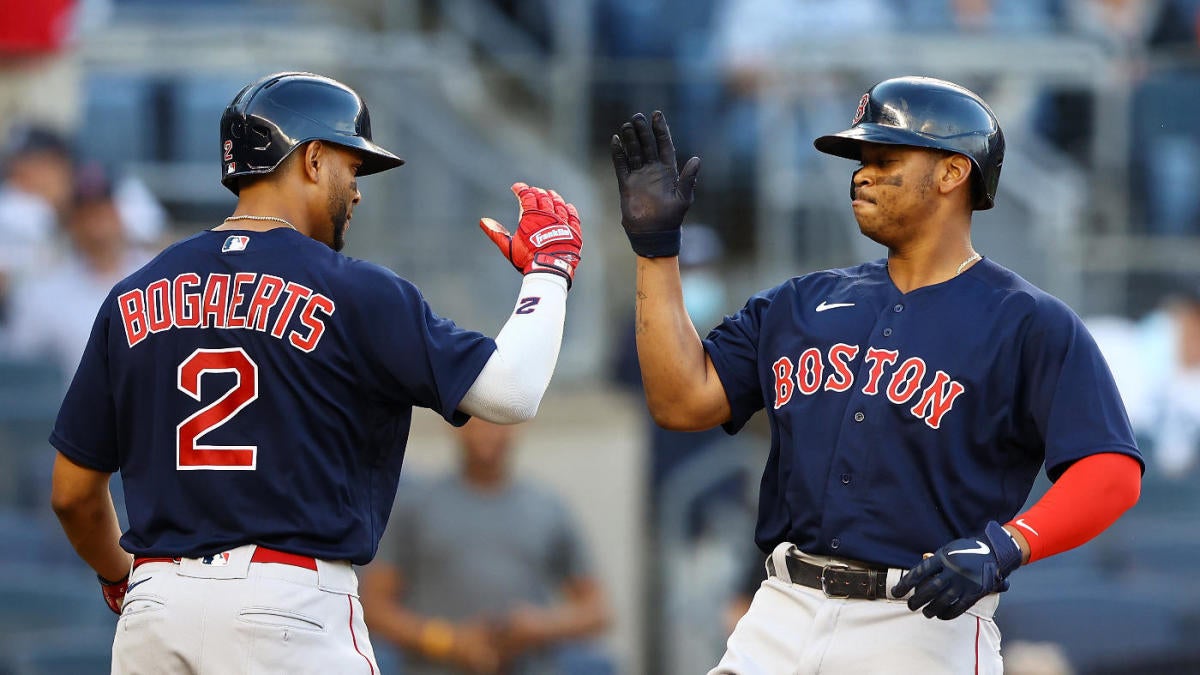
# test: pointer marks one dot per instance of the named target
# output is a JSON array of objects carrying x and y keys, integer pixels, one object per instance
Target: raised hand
[
  {"x": 548, "y": 237},
  {"x": 954, "y": 578},
  {"x": 654, "y": 194}
]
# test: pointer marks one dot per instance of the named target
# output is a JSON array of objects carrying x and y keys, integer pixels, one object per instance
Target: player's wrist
[
  {"x": 1020, "y": 540},
  {"x": 113, "y": 592},
  {"x": 544, "y": 282},
  {"x": 107, "y": 582},
  {"x": 1005, "y": 547},
  {"x": 561, "y": 264},
  {"x": 660, "y": 244}
]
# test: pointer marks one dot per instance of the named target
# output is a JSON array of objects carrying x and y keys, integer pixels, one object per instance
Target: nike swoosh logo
[
  {"x": 825, "y": 305},
  {"x": 137, "y": 583},
  {"x": 1022, "y": 523},
  {"x": 981, "y": 549}
]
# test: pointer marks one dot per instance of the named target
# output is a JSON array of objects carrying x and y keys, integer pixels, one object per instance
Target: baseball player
[
  {"x": 912, "y": 400},
  {"x": 255, "y": 387}
]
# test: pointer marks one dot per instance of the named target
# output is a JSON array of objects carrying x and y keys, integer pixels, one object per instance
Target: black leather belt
[{"x": 836, "y": 581}]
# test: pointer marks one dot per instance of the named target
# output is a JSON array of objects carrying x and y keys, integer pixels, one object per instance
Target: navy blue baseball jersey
[
  {"x": 901, "y": 421},
  {"x": 257, "y": 388}
]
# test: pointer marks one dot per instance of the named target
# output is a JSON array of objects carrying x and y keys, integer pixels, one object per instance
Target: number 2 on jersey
[{"x": 189, "y": 455}]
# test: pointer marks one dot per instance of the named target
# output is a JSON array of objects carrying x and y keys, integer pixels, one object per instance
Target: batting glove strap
[
  {"x": 561, "y": 263},
  {"x": 1005, "y": 548},
  {"x": 114, "y": 592},
  {"x": 655, "y": 244}
]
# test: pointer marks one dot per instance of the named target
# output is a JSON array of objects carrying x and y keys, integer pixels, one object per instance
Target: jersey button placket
[
  {"x": 898, "y": 308},
  {"x": 887, "y": 332},
  {"x": 859, "y": 416}
]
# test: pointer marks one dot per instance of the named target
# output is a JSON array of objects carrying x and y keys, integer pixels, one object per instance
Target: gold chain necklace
[
  {"x": 968, "y": 261},
  {"x": 271, "y": 218}
]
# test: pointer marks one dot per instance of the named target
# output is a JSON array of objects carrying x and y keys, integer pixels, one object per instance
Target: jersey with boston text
[
  {"x": 257, "y": 388},
  {"x": 901, "y": 421}
]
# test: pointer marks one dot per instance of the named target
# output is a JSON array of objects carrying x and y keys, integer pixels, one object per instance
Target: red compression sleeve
[{"x": 1085, "y": 500}]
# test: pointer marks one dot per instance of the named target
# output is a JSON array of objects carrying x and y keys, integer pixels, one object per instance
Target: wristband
[
  {"x": 656, "y": 244},
  {"x": 436, "y": 639},
  {"x": 114, "y": 592}
]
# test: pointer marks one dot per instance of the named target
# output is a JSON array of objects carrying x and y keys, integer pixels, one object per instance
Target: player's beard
[
  {"x": 339, "y": 212},
  {"x": 889, "y": 223}
]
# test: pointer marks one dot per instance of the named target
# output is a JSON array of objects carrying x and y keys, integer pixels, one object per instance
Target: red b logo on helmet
[{"x": 862, "y": 109}]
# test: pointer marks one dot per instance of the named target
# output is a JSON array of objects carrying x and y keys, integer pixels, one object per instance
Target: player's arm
[
  {"x": 1090, "y": 496},
  {"x": 84, "y": 506},
  {"x": 468, "y": 646},
  {"x": 683, "y": 391},
  {"x": 546, "y": 249}
]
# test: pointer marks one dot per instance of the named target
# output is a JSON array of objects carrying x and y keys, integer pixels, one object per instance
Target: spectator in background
[
  {"x": 39, "y": 76},
  {"x": 53, "y": 309},
  {"x": 1156, "y": 364},
  {"x": 1131, "y": 26},
  {"x": 1011, "y": 17},
  {"x": 482, "y": 573},
  {"x": 1163, "y": 167},
  {"x": 754, "y": 37},
  {"x": 675, "y": 36},
  {"x": 35, "y": 195},
  {"x": 143, "y": 215}
]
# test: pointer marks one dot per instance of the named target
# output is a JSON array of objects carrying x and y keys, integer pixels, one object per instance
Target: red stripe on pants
[
  {"x": 977, "y": 624},
  {"x": 355, "y": 639}
]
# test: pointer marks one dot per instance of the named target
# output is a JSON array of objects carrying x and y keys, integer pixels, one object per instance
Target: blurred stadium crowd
[{"x": 108, "y": 115}]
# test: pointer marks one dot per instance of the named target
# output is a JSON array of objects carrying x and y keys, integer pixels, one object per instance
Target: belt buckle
[{"x": 824, "y": 585}]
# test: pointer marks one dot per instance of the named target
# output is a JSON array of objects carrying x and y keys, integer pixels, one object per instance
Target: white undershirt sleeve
[{"x": 512, "y": 382}]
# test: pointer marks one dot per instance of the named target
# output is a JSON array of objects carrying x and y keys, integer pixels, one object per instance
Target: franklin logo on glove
[{"x": 549, "y": 234}]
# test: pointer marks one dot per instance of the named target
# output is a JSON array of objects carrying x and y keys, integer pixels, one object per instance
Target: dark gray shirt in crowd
[{"x": 465, "y": 554}]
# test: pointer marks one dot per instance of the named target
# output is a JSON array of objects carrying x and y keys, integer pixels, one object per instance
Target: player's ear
[
  {"x": 953, "y": 172},
  {"x": 313, "y": 160}
]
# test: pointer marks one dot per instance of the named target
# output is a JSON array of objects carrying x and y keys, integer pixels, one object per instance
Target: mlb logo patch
[
  {"x": 235, "y": 243},
  {"x": 218, "y": 560}
]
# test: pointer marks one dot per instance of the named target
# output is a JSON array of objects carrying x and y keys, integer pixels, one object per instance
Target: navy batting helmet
[
  {"x": 271, "y": 117},
  {"x": 927, "y": 113}
]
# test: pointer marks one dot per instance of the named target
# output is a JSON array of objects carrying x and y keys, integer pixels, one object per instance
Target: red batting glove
[
  {"x": 548, "y": 237},
  {"x": 114, "y": 592}
]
